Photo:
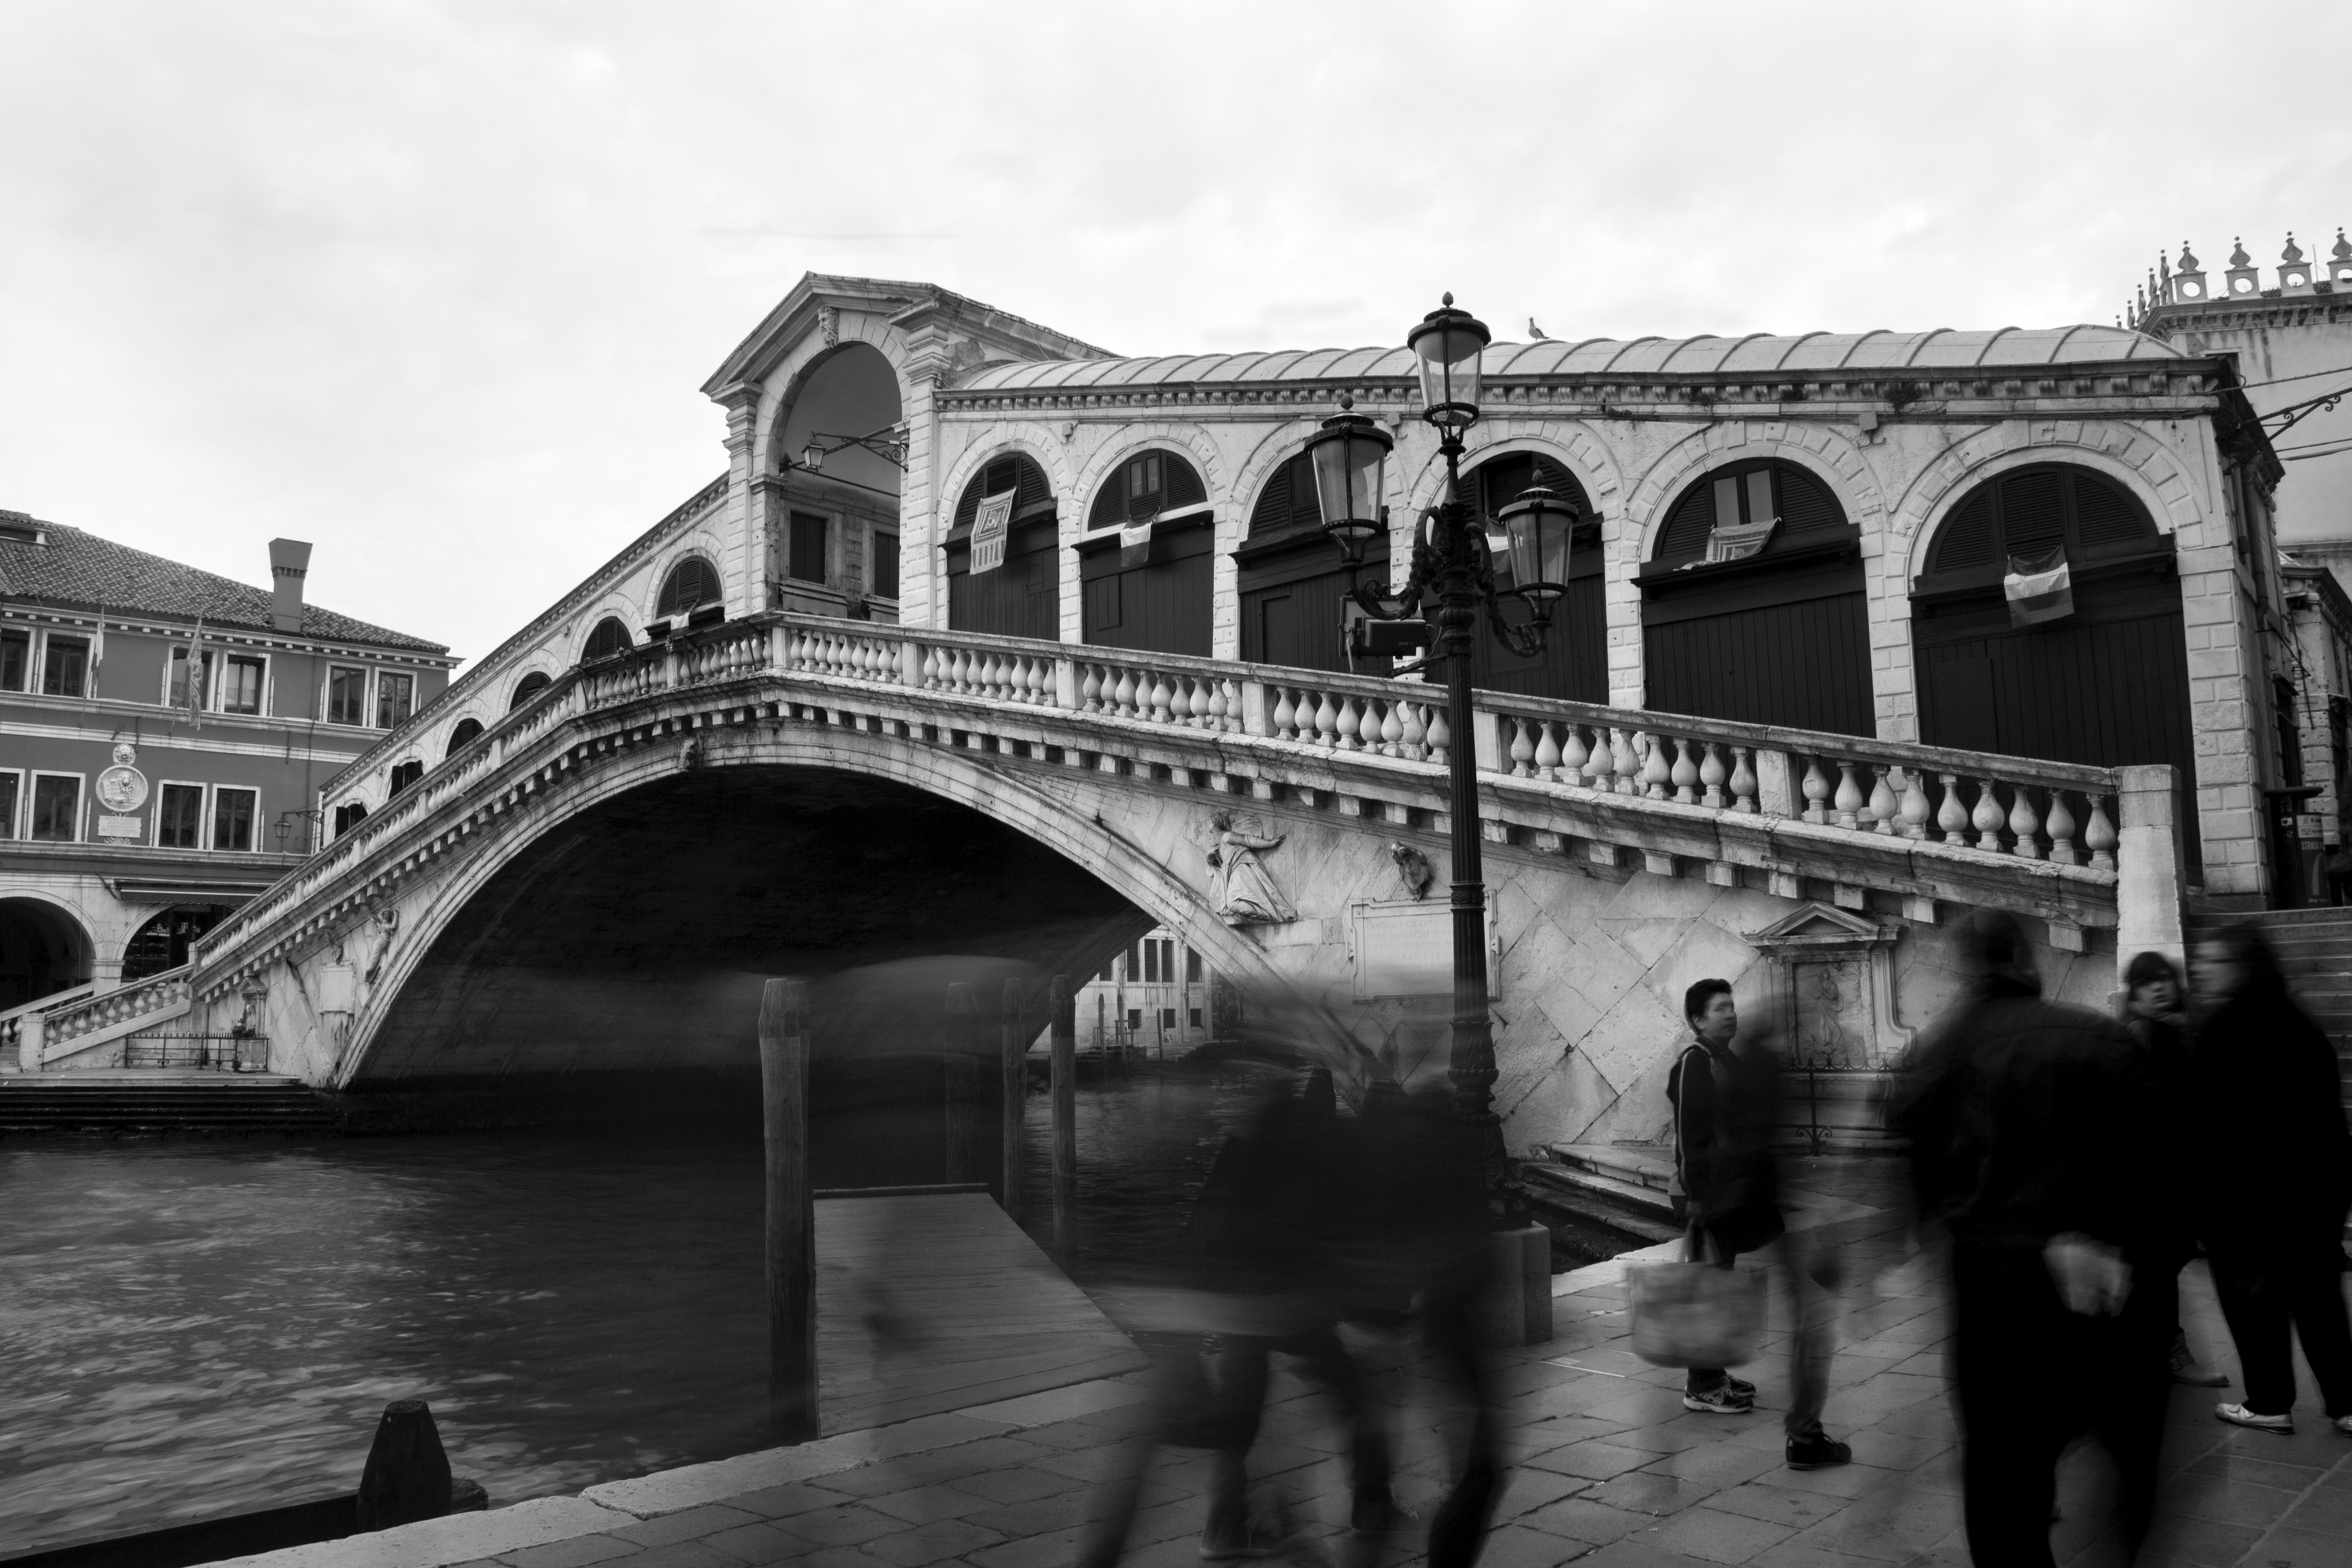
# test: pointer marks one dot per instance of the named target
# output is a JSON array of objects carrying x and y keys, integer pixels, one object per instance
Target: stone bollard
[
  {"x": 1518, "y": 1307},
  {"x": 407, "y": 1474}
]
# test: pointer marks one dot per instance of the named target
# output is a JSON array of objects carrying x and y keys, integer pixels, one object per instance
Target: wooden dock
[{"x": 934, "y": 1301}]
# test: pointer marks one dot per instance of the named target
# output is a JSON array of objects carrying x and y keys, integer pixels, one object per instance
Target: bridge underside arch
[{"x": 628, "y": 943}]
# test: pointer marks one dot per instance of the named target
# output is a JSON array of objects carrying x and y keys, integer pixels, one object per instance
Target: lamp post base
[{"x": 1517, "y": 1305}]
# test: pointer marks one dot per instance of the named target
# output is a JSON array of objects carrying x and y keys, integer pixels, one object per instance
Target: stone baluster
[
  {"x": 1743, "y": 780},
  {"x": 1441, "y": 734},
  {"x": 1711, "y": 775},
  {"x": 1350, "y": 726},
  {"x": 1285, "y": 715},
  {"x": 1041, "y": 680},
  {"x": 1655, "y": 773},
  {"x": 1090, "y": 688},
  {"x": 2024, "y": 824},
  {"x": 1603, "y": 767},
  {"x": 1817, "y": 791},
  {"x": 1225, "y": 705},
  {"x": 1414, "y": 732},
  {"x": 1326, "y": 723},
  {"x": 1392, "y": 729},
  {"x": 1685, "y": 772},
  {"x": 1162, "y": 699},
  {"x": 1913, "y": 809},
  {"x": 2099, "y": 835},
  {"x": 1201, "y": 703},
  {"x": 2061, "y": 827},
  {"x": 1548, "y": 750},
  {"x": 1123, "y": 694},
  {"x": 1989, "y": 816},
  {"x": 1952, "y": 815},
  {"x": 1849, "y": 799},
  {"x": 1573, "y": 756},
  {"x": 1625, "y": 761},
  {"x": 1523, "y": 749},
  {"x": 1882, "y": 806}
]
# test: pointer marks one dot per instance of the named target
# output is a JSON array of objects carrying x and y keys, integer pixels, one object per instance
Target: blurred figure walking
[
  {"x": 2275, "y": 1179},
  {"x": 1725, "y": 1091},
  {"x": 2153, "y": 999},
  {"x": 2029, "y": 1126}
]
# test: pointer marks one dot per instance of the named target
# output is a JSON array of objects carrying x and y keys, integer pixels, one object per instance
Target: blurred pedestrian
[
  {"x": 1725, "y": 1090},
  {"x": 2028, "y": 1124},
  {"x": 2153, "y": 999},
  {"x": 2276, "y": 1180}
]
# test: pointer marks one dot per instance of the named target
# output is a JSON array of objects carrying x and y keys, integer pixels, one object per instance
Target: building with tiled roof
[{"x": 138, "y": 803}]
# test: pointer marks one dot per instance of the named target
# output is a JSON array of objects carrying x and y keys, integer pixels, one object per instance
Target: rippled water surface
[{"x": 194, "y": 1329}]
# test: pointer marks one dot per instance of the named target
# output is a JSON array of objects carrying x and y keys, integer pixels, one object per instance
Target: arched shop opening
[
  {"x": 830, "y": 500},
  {"x": 1015, "y": 592},
  {"x": 1574, "y": 664},
  {"x": 1144, "y": 567},
  {"x": 43, "y": 951},
  {"x": 2101, "y": 677},
  {"x": 1753, "y": 603},
  {"x": 163, "y": 941},
  {"x": 1292, "y": 585}
]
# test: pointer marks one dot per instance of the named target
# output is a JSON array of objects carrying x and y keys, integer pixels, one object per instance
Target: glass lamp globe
[{"x": 1448, "y": 344}]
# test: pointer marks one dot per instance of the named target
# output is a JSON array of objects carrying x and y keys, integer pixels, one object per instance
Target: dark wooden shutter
[
  {"x": 1806, "y": 505},
  {"x": 804, "y": 562},
  {"x": 691, "y": 582},
  {"x": 1685, "y": 535},
  {"x": 2032, "y": 512},
  {"x": 611, "y": 636},
  {"x": 1021, "y": 598},
  {"x": 1968, "y": 538},
  {"x": 2105, "y": 519}
]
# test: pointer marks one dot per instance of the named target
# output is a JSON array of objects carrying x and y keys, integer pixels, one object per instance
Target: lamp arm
[
  {"x": 1525, "y": 640},
  {"x": 1375, "y": 603}
]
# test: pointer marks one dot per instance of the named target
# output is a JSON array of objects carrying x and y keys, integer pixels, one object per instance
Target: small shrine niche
[{"x": 1831, "y": 996}]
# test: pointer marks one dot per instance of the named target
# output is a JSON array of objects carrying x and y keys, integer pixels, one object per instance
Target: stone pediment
[{"x": 1817, "y": 925}]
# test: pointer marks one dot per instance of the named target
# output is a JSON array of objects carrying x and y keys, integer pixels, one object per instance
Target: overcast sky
[{"x": 434, "y": 285}]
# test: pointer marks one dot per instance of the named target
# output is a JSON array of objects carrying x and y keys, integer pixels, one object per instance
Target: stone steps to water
[
  {"x": 184, "y": 1105},
  {"x": 1624, "y": 1191}
]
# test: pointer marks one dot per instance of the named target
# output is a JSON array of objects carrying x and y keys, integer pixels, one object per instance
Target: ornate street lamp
[{"x": 1452, "y": 571}]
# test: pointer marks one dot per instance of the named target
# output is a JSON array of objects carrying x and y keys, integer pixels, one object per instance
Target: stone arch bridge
[{"x": 596, "y": 883}]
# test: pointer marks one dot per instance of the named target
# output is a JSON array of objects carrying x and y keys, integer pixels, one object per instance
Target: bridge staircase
[
  {"x": 2315, "y": 948},
  {"x": 189, "y": 1103}
]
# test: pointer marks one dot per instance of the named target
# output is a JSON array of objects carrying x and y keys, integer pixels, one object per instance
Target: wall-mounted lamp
[{"x": 889, "y": 444}]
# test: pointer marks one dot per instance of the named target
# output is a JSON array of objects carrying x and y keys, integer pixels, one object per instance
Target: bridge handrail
[
  {"x": 1889, "y": 788},
  {"x": 65, "y": 1020}
]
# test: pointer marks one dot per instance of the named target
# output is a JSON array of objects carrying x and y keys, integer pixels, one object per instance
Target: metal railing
[{"x": 205, "y": 1053}]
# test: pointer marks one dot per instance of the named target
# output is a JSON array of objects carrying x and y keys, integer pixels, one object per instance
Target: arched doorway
[
  {"x": 2104, "y": 683},
  {"x": 1017, "y": 595},
  {"x": 163, "y": 942},
  {"x": 1575, "y": 661},
  {"x": 43, "y": 949},
  {"x": 833, "y": 524},
  {"x": 1145, "y": 565},
  {"x": 1292, "y": 585},
  {"x": 1753, "y": 603}
]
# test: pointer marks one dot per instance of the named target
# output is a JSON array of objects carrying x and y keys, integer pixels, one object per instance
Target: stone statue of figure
[{"x": 1239, "y": 888}]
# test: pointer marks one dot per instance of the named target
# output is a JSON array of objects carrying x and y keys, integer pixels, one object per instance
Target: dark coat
[
  {"x": 1726, "y": 1103},
  {"x": 2028, "y": 1118},
  {"x": 2274, "y": 1159}
]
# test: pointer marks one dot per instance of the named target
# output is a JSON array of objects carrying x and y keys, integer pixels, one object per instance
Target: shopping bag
[{"x": 1694, "y": 1314}]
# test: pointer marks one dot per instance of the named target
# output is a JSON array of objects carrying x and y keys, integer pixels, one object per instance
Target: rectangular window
[
  {"x": 395, "y": 699},
  {"x": 1168, "y": 1017},
  {"x": 9, "y": 785},
  {"x": 180, "y": 817},
  {"x": 233, "y": 813},
  {"x": 1168, "y": 961},
  {"x": 1151, "y": 963},
  {"x": 240, "y": 688},
  {"x": 805, "y": 561},
  {"x": 885, "y": 565},
  {"x": 1196, "y": 1017},
  {"x": 65, "y": 668},
  {"x": 16, "y": 660},
  {"x": 57, "y": 807},
  {"x": 1191, "y": 964},
  {"x": 1134, "y": 963},
  {"x": 1105, "y": 974},
  {"x": 1134, "y": 1018},
  {"x": 176, "y": 688},
  {"x": 1143, "y": 477},
  {"x": 346, "y": 695}
]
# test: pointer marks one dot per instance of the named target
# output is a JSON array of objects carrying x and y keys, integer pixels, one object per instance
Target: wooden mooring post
[
  {"x": 791, "y": 1212},
  {"x": 1066, "y": 1119},
  {"x": 1013, "y": 1053},
  {"x": 959, "y": 1084}
]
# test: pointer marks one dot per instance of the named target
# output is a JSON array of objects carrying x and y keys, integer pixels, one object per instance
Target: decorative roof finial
[
  {"x": 2238, "y": 257},
  {"x": 2343, "y": 251},
  {"x": 2293, "y": 251},
  {"x": 2187, "y": 263}
]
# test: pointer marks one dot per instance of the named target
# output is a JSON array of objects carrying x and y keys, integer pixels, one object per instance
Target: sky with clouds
[{"x": 434, "y": 286}]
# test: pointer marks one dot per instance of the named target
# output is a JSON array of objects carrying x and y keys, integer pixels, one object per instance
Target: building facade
[
  {"x": 1160, "y": 999},
  {"x": 1007, "y": 480},
  {"x": 164, "y": 736}
]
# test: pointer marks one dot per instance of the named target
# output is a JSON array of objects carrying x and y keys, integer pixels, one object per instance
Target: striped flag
[
  {"x": 196, "y": 676},
  {"x": 2039, "y": 589}
]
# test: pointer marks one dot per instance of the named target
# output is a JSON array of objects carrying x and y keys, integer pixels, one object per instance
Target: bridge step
[{"x": 118, "y": 1104}]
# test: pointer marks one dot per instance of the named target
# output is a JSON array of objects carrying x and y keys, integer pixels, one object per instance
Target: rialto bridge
[
  {"x": 596, "y": 883},
  {"x": 984, "y": 630}
]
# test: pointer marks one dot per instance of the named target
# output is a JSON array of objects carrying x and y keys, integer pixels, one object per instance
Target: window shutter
[
  {"x": 1685, "y": 535},
  {"x": 1806, "y": 503},
  {"x": 2032, "y": 512},
  {"x": 1273, "y": 503},
  {"x": 1181, "y": 483},
  {"x": 1966, "y": 539},
  {"x": 2106, "y": 518}
]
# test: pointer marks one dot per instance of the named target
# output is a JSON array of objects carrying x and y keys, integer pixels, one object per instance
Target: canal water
[{"x": 193, "y": 1329}]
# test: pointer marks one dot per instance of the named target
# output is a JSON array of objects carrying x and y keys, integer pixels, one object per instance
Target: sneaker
[
  {"x": 2238, "y": 1416},
  {"x": 2344, "y": 1424},
  {"x": 1718, "y": 1402},
  {"x": 1375, "y": 1514},
  {"x": 1740, "y": 1385},
  {"x": 1258, "y": 1539},
  {"x": 1817, "y": 1451}
]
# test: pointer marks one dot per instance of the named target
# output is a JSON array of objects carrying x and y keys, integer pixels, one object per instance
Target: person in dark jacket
[
  {"x": 2276, "y": 1182},
  {"x": 2153, "y": 997},
  {"x": 2029, "y": 1130},
  {"x": 1725, "y": 1091}
]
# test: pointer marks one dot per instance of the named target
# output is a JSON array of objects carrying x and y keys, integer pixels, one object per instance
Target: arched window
[
  {"x": 468, "y": 729},
  {"x": 404, "y": 774},
  {"x": 2104, "y": 680},
  {"x": 349, "y": 817},
  {"x": 692, "y": 583},
  {"x": 1754, "y": 605},
  {"x": 1021, "y": 596},
  {"x": 1287, "y": 501},
  {"x": 1153, "y": 592},
  {"x": 1146, "y": 486},
  {"x": 1292, "y": 585},
  {"x": 611, "y": 636},
  {"x": 528, "y": 687},
  {"x": 1575, "y": 660}
]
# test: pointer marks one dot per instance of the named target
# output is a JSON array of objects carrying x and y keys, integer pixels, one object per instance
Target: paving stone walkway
[{"x": 1609, "y": 1470}]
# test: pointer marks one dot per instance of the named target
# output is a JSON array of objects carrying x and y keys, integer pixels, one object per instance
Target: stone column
[
  {"x": 747, "y": 554},
  {"x": 2149, "y": 882}
]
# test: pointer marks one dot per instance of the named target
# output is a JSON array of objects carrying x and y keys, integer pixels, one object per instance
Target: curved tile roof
[{"x": 1757, "y": 353}]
